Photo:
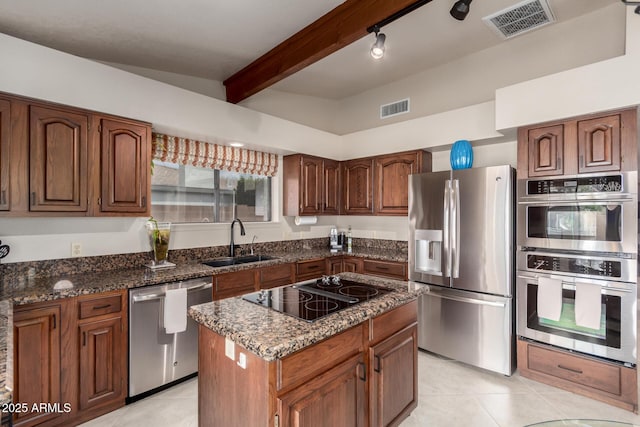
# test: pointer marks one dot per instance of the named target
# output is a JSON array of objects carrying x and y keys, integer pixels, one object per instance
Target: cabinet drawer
[
  {"x": 99, "y": 306},
  {"x": 277, "y": 275},
  {"x": 310, "y": 269},
  {"x": 312, "y": 361},
  {"x": 233, "y": 284},
  {"x": 391, "y": 322},
  {"x": 396, "y": 270},
  {"x": 579, "y": 370}
]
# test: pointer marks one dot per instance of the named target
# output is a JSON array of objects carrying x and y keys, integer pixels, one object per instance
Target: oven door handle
[
  {"x": 572, "y": 285},
  {"x": 602, "y": 201}
]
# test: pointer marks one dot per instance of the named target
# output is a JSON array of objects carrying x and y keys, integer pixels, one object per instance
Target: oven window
[
  {"x": 575, "y": 222},
  {"x": 608, "y": 334}
]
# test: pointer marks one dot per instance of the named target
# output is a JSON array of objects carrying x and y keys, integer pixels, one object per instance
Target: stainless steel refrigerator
[{"x": 461, "y": 244}]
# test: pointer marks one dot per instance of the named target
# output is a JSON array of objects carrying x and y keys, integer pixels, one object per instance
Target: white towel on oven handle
[
  {"x": 549, "y": 298},
  {"x": 175, "y": 310},
  {"x": 588, "y": 305}
]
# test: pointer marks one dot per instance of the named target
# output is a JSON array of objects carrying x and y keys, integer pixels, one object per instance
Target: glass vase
[{"x": 159, "y": 234}]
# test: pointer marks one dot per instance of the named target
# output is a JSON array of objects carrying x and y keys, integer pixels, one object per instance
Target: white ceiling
[{"x": 215, "y": 38}]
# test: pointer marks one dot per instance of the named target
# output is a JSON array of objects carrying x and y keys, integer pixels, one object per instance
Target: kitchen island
[{"x": 354, "y": 367}]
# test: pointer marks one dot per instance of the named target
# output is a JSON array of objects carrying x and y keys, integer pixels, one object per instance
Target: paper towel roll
[{"x": 305, "y": 220}]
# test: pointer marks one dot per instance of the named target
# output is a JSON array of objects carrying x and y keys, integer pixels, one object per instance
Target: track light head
[
  {"x": 460, "y": 9},
  {"x": 377, "y": 49}
]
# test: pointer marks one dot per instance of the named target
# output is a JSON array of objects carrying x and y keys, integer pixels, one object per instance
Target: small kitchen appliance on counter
[{"x": 336, "y": 240}]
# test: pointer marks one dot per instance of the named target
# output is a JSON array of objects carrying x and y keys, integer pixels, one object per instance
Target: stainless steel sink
[{"x": 221, "y": 262}]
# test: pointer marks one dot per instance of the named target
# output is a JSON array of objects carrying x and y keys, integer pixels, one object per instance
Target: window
[{"x": 195, "y": 194}]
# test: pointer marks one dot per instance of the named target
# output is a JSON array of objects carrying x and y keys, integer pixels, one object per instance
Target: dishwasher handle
[{"x": 160, "y": 295}]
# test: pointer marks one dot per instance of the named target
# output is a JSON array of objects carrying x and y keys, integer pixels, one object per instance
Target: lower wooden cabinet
[
  {"x": 66, "y": 356},
  {"x": 310, "y": 269},
  {"x": 391, "y": 269},
  {"x": 595, "y": 378},
  {"x": 236, "y": 283},
  {"x": 337, "y": 397},
  {"x": 37, "y": 356},
  {"x": 366, "y": 375},
  {"x": 103, "y": 351}
]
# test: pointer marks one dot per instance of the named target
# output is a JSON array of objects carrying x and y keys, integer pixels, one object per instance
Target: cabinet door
[
  {"x": 58, "y": 160},
  {"x": 232, "y": 284},
  {"x": 599, "y": 144},
  {"x": 352, "y": 265},
  {"x": 392, "y": 269},
  {"x": 5, "y": 137},
  {"x": 310, "y": 185},
  {"x": 334, "y": 265},
  {"x": 392, "y": 182},
  {"x": 36, "y": 356},
  {"x": 357, "y": 187},
  {"x": 101, "y": 362},
  {"x": 546, "y": 150},
  {"x": 331, "y": 187},
  {"x": 333, "y": 399},
  {"x": 394, "y": 386},
  {"x": 125, "y": 151},
  {"x": 310, "y": 269}
]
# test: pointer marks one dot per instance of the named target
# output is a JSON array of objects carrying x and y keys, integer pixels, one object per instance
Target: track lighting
[
  {"x": 377, "y": 49},
  {"x": 460, "y": 9}
]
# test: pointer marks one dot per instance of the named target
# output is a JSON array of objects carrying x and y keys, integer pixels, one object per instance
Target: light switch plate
[{"x": 229, "y": 349}]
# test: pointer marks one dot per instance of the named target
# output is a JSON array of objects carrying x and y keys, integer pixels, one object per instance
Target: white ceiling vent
[
  {"x": 394, "y": 109},
  {"x": 520, "y": 18}
]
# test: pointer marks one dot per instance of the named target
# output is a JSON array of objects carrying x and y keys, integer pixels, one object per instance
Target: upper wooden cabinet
[
  {"x": 68, "y": 161},
  {"x": 595, "y": 143},
  {"x": 311, "y": 185},
  {"x": 392, "y": 180},
  {"x": 5, "y": 139},
  {"x": 58, "y": 153},
  {"x": 357, "y": 186},
  {"x": 125, "y": 151}
]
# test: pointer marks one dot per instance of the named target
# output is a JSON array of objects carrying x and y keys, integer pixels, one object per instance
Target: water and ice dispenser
[{"x": 428, "y": 247}]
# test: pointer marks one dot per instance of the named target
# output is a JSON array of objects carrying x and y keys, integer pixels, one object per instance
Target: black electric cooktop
[{"x": 315, "y": 299}]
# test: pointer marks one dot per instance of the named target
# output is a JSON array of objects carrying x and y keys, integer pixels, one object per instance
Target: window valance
[{"x": 185, "y": 151}]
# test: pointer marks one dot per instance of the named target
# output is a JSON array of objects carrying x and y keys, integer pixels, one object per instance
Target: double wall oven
[{"x": 580, "y": 231}]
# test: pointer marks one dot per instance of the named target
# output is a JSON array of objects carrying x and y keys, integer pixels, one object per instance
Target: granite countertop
[
  {"x": 6, "y": 352},
  {"x": 273, "y": 335},
  {"x": 24, "y": 290}
]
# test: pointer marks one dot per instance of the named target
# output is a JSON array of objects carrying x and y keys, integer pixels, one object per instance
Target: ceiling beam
[{"x": 338, "y": 28}]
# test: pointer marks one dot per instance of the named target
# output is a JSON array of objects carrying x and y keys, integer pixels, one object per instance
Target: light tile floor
[{"x": 451, "y": 394}]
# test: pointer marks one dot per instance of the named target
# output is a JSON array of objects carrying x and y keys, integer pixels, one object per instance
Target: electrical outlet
[{"x": 76, "y": 250}]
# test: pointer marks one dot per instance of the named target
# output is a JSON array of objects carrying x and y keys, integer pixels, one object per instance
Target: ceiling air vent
[
  {"x": 520, "y": 18},
  {"x": 394, "y": 109}
]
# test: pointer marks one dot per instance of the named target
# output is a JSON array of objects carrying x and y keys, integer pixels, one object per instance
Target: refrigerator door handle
[
  {"x": 468, "y": 300},
  {"x": 455, "y": 228},
  {"x": 445, "y": 229}
]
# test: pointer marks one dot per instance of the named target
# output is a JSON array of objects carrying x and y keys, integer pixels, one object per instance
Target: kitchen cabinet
[
  {"x": 58, "y": 159},
  {"x": 311, "y": 185},
  {"x": 337, "y": 397},
  {"x": 310, "y": 269},
  {"x": 344, "y": 264},
  {"x": 598, "y": 379},
  {"x": 357, "y": 187},
  {"x": 392, "y": 269},
  {"x": 236, "y": 283},
  {"x": 125, "y": 166},
  {"x": 596, "y": 143},
  {"x": 66, "y": 161},
  {"x": 366, "y": 375},
  {"x": 392, "y": 180},
  {"x": 103, "y": 350},
  {"x": 37, "y": 341},
  {"x": 71, "y": 351},
  {"x": 5, "y": 140}
]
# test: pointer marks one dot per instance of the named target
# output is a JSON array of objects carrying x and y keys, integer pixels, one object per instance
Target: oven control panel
[
  {"x": 590, "y": 267},
  {"x": 592, "y": 184}
]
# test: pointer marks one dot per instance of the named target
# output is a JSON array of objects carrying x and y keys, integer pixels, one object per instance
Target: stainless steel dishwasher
[{"x": 158, "y": 359}]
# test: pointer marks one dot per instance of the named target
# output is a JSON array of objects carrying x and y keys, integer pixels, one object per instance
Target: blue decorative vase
[{"x": 461, "y": 155}]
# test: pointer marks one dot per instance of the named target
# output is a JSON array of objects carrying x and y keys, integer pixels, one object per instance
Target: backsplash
[{"x": 97, "y": 264}]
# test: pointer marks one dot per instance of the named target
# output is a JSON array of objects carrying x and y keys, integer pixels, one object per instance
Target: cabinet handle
[
  {"x": 314, "y": 267},
  {"x": 55, "y": 324},
  {"x": 100, "y": 307},
  {"x": 576, "y": 371},
  {"x": 377, "y": 366},
  {"x": 382, "y": 267},
  {"x": 363, "y": 367},
  {"x": 144, "y": 201},
  {"x": 84, "y": 338},
  {"x": 33, "y": 198}
]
